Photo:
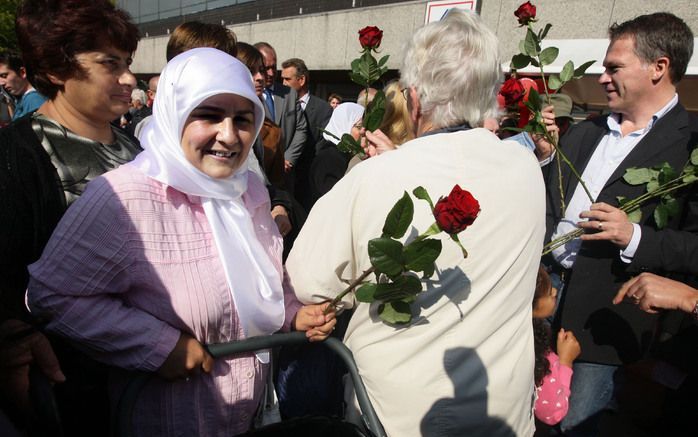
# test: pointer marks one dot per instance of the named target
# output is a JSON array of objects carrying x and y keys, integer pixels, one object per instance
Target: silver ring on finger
[{"x": 600, "y": 226}]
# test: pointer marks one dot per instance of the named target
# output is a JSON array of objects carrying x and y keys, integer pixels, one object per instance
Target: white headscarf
[
  {"x": 188, "y": 80},
  {"x": 344, "y": 117}
]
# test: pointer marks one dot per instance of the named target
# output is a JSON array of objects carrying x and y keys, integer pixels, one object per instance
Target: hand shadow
[{"x": 465, "y": 414}]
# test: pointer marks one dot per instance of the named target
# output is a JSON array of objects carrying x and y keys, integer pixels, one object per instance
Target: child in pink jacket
[{"x": 553, "y": 372}]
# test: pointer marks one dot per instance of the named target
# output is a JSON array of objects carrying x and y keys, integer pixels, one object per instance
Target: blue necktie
[{"x": 270, "y": 103}]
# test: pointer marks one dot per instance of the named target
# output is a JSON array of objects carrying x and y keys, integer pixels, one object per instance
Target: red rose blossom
[
  {"x": 513, "y": 91},
  {"x": 526, "y": 13},
  {"x": 370, "y": 37},
  {"x": 456, "y": 211}
]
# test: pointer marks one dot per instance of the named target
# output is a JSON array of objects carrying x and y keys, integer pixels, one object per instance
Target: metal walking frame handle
[{"x": 128, "y": 399}]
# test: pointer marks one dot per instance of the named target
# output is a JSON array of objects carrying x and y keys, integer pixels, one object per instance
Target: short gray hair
[
  {"x": 139, "y": 94},
  {"x": 455, "y": 67}
]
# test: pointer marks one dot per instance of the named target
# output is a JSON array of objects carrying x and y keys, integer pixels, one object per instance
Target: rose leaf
[
  {"x": 661, "y": 216},
  {"x": 637, "y": 176},
  {"x": 673, "y": 207},
  {"x": 652, "y": 185},
  {"x": 548, "y": 55},
  {"x": 689, "y": 178},
  {"x": 520, "y": 61},
  {"x": 419, "y": 256},
  {"x": 421, "y": 193},
  {"x": 567, "y": 72},
  {"x": 666, "y": 173},
  {"x": 635, "y": 215},
  {"x": 399, "y": 218},
  {"x": 349, "y": 145},
  {"x": 531, "y": 47},
  {"x": 544, "y": 32},
  {"x": 554, "y": 82},
  {"x": 402, "y": 288},
  {"x": 386, "y": 256},
  {"x": 376, "y": 110},
  {"x": 579, "y": 71},
  {"x": 358, "y": 79},
  {"x": 398, "y": 313},
  {"x": 535, "y": 100},
  {"x": 694, "y": 156},
  {"x": 366, "y": 293}
]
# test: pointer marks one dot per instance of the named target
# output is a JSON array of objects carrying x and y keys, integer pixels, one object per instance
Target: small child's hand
[
  {"x": 316, "y": 324},
  {"x": 568, "y": 348}
]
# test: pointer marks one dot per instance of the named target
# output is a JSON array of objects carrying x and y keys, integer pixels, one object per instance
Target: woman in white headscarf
[
  {"x": 330, "y": 164},
  {"x": 176, "y": 250}
]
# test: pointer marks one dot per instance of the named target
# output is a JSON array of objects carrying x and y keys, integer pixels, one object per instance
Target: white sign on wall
[{"x": 437, "y": 9}]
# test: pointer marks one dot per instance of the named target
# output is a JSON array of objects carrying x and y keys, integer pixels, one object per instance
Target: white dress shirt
[
  {"x": 611, "y": 151},
  {"x": 304, "y": 100}
]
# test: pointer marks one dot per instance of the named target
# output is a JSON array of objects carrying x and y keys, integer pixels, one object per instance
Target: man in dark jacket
[{"x": 645, "y": 60}]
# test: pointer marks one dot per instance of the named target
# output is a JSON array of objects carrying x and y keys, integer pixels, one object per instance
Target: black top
[
  {"x": 43, "y": 169},
  {"x": 327, "y": 169}
]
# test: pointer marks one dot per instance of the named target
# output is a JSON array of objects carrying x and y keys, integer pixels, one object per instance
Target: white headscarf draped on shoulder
[
  {"x": 344, "y": 117},
  {"x": 188, "y": 80}
]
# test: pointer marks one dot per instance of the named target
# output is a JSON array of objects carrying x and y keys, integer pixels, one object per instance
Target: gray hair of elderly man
[
  {"x": 455, "y": 67},
  {"x": 139, "y": 94}
]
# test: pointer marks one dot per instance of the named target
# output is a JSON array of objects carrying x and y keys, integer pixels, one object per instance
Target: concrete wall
[
  {"x": 325, "y": 41},
  {"x": 577, "y": 19},
  {"x": 328, "y": 41}
]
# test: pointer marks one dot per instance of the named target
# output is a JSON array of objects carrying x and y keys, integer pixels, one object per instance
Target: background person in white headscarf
[
  {"x": 175, "y": 250},
  {"x": 330, "y": 164}
]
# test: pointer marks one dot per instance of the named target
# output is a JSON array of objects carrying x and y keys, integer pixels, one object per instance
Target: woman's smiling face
[{"x": 218, "y": 134}]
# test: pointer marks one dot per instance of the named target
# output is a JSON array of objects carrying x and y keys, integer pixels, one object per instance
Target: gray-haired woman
[{"x": 465, "y": 364}]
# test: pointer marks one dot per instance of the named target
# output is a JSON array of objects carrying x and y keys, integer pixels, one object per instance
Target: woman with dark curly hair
[
  {"x": 552, "y": 372},
  {"x": 77, "y": 53}
]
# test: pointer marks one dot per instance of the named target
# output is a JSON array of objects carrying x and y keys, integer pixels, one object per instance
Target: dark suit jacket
[
  {"x": 615, "y": 334},
  {"x": 318, "y": 113}
]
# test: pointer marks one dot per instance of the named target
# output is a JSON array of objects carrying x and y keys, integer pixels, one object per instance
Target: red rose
[
  {"x": 456, "y": 211},
  {"x": 370, "y": 37},
  {"x": 526, "y": 13},
  {"x": 513, "y": 91}
]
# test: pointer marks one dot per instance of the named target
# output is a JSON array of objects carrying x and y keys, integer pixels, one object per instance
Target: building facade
[{"x": 324, "y": 32}]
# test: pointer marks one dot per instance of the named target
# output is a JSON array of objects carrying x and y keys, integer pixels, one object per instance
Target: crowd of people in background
[{"x": 142, "y": 221}]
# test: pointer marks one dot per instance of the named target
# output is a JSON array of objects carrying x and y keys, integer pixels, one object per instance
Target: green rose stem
[
  {"x": 540, "y": 65},
  {"x": 628, "y": 207},
  {"x": 351, "y": 287},
  {"x": 432, "y": 230},
  {"x": 558, "y": 164},
  {"x": 554, "y": 142},
  {"x": 558, "y": 151}
]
